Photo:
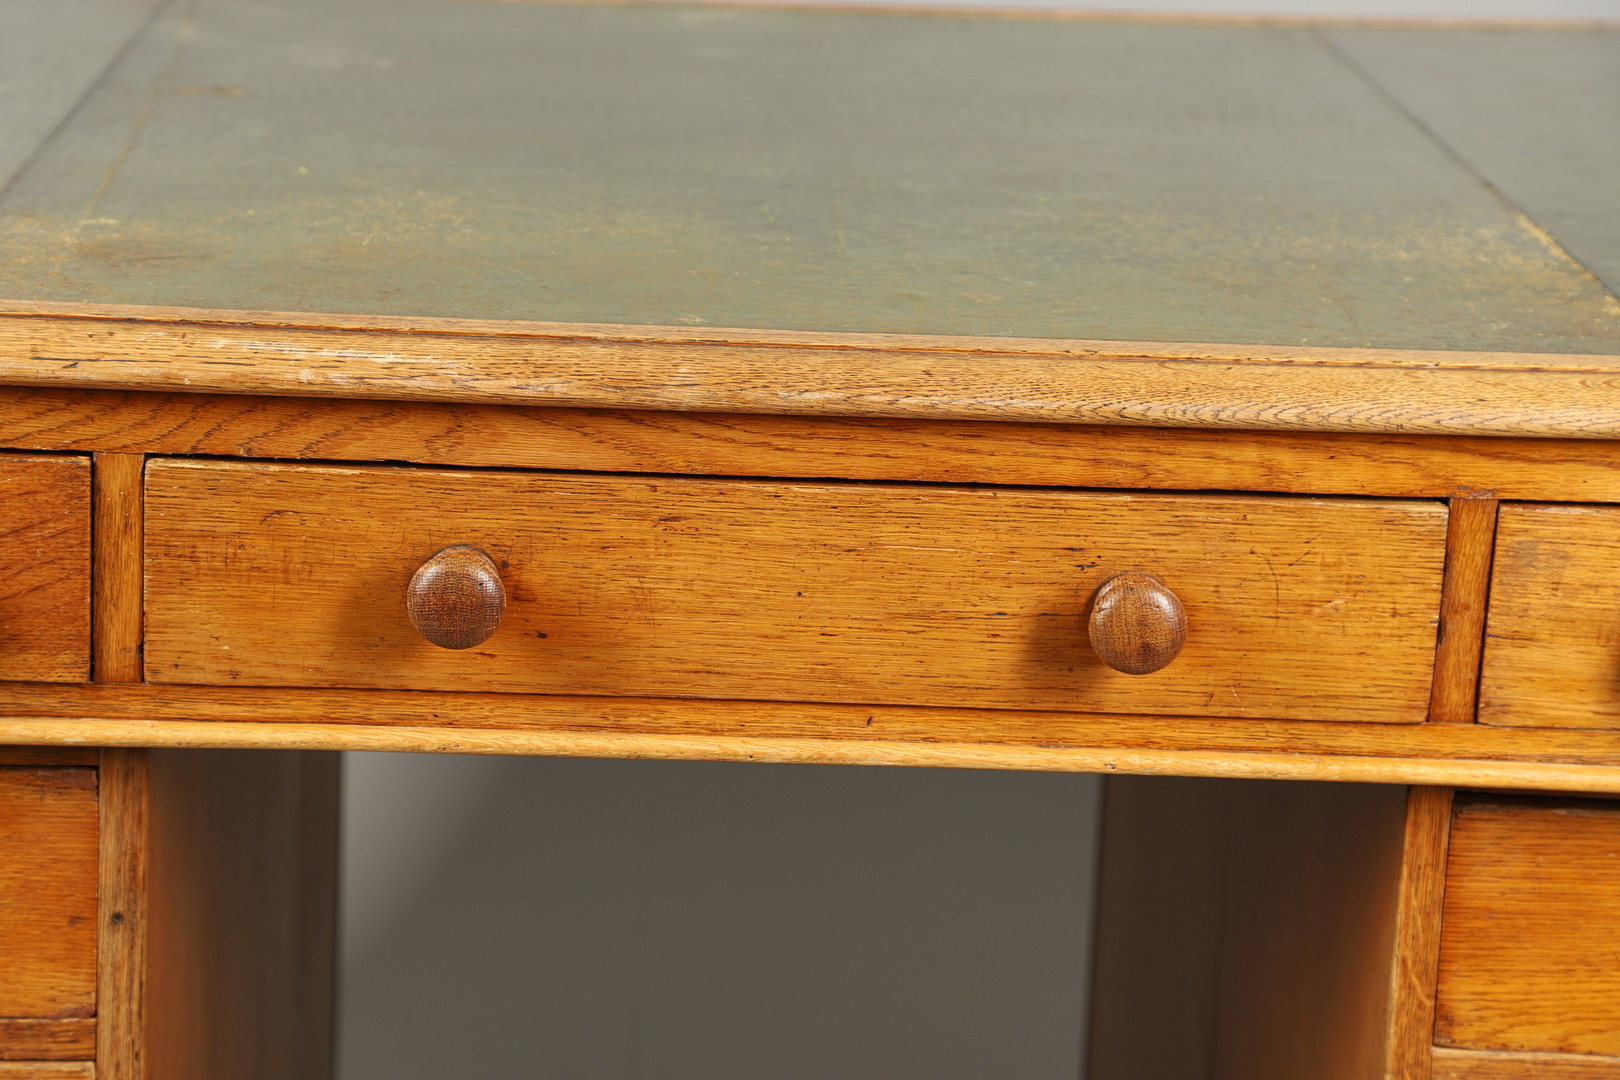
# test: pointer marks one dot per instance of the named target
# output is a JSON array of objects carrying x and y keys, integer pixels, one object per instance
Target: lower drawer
[
  {"x": 905, "y": 594},
  {"x": 48, "y": 873},
  {"x": 166, "y": 914},
  {"x": 1530, "y": 942}
]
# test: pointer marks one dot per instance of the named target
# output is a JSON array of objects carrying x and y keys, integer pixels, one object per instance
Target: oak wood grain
[
  {"x": 47, "y": 1070},
  {"x": 38, "y": 756},
  {"x": 1210, "y": 386},
  {"x": 1470, "y": 540},
  {"x": 294, "y": 575},
  {"x": 1211, "y": 893},
  {"x": 122, "y": 914},
  {"x": 1451, "y": 1063},
  {"x": 48, "y": 1040},
  {"x": 1552, "y": 648},
  {"x": 57, "y": 418},
  {"x": 45, "y": 568},
  {"x": 1137, "y": 625},
  {"x": 456, "y": 599},
  {"x": 1530, "y": 946},
  {"x": 31, "y": 311},
  {"x": 136, "y": 714},
  {"x": 47, "y": 894},
  {"x": 242, "y": 915},
  {"x": 116, "y": 576},
  {"x": 1425, "y": 840},
  {"x": 1143, "y": 757}
]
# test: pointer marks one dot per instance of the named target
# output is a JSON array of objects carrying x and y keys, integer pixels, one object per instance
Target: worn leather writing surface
[
  {"x": 781, "y": 169},
  {"x": 51, "y": 51},
  {"x": 1534, "y": 112}
]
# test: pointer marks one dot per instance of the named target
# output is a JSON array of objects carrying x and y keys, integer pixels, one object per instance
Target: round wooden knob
[
  {"x": 456, "y": 598},
  {"x": 1137, "y": 624}
]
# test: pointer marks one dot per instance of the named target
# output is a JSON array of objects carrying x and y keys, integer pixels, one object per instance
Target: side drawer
[
  {"x": 1530, "y": 942},
  {"x": 296, "y": 575},
  {"x": 45, "y": 568},
  {"x": 48, "y": 873},
  {"x": 1552, "y": 639}
]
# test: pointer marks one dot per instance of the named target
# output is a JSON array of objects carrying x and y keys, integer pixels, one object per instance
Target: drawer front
[
  {"x": 45, "y": 569},
  {"x": 1552, "y": 648},
  {"x": 1530, "y": 942},
  {"x": 48, "y": 845},
  {"x": 295, "y": 575}
]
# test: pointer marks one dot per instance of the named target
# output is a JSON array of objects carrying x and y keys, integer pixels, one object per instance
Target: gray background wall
[{"x": 510, "y": 917}]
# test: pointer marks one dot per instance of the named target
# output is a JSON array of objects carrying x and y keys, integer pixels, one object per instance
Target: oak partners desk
[{"x": 1217, "y": 398}]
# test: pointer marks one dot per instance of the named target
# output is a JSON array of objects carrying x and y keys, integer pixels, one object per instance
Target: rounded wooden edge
[
  {"x": 1528, "y": 776},
  {"x": 47, "y": 312},
  {"x": 1146, "y": 384}
]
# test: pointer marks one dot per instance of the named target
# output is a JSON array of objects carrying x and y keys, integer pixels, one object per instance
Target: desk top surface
[{"x": 1036, "y": 177}]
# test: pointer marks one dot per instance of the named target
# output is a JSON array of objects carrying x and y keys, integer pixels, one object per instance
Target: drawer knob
[
  {"x": 456, "y": 598},
  {"x": 1137, "y": 624}
]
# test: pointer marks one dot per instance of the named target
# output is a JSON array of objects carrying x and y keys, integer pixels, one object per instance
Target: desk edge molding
[
  {"x": 1156, "y": 384},
  {"x": 1517, "y": 775}
]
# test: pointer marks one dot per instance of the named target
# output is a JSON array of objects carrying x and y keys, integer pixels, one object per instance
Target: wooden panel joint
[
  {"x": 116, "y": 544},
  {"x": 1470, "y": 542},
  {"x": 122, "y": 915},
  {"x": 1417, "y": 932}
]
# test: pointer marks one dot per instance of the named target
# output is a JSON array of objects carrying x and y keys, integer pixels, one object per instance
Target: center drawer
[{"x": 295, "y": 575}]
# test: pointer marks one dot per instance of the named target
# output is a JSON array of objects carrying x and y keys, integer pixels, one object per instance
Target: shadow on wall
[{"x": 515, "y": 917}]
